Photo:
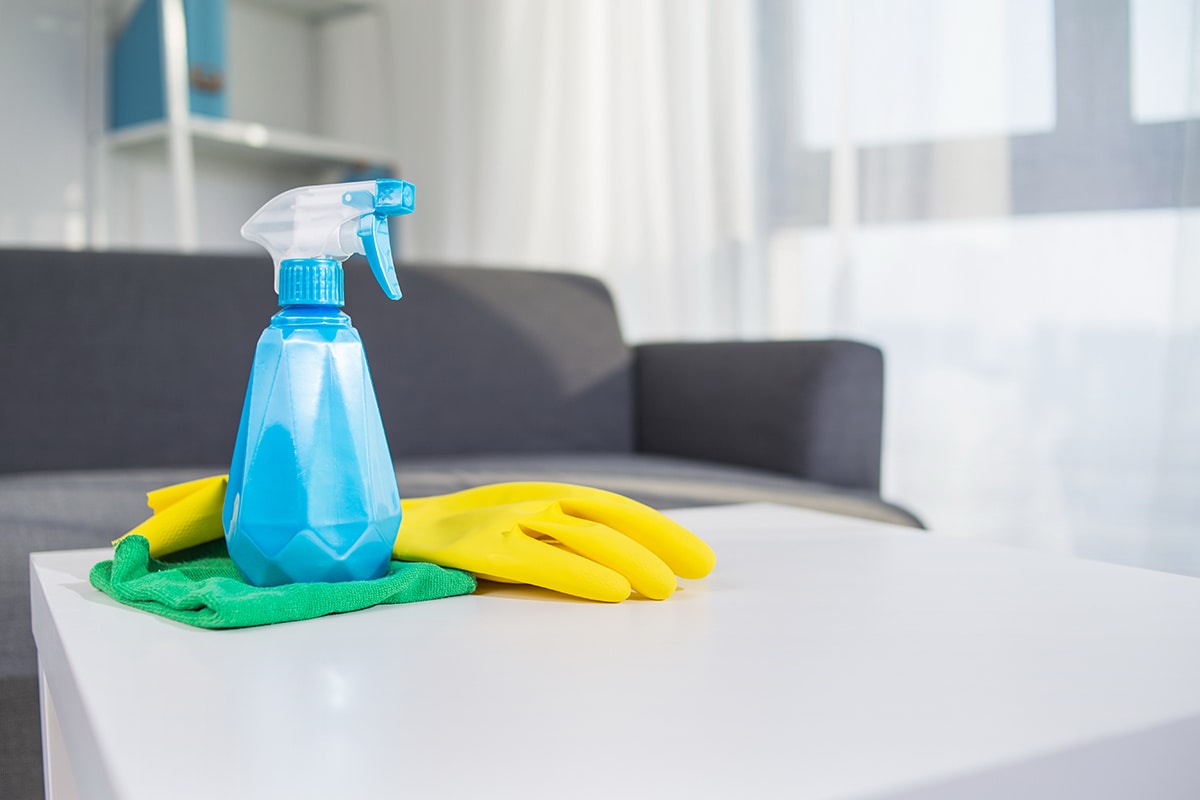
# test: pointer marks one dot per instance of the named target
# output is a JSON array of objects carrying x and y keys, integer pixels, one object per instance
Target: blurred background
[{"x": 1001, "y": 194}]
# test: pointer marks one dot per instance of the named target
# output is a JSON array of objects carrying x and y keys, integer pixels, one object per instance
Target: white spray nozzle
[{"x": 335, "y": 221}]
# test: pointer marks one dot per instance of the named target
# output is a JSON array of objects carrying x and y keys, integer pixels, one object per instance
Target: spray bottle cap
[{"x": 312, "y": 229}]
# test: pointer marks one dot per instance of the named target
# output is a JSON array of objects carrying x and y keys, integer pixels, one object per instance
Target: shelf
[
  {"x": 226, "y": 155},
  {"x": 253, "y": 141}
]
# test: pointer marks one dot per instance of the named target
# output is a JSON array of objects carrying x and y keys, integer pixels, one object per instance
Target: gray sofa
[{"x": 123, "y": 372}]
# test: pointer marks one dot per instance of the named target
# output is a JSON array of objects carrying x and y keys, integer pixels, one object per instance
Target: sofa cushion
[{"x": 660, "y": 481}]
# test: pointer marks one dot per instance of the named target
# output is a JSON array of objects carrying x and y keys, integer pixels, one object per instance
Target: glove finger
[
  {"x": 569, "y": 572},
  {"x": 187, "y": 522},
  {"x": 645, "y": 571},
  {"x": 161, "y": 499},
  {"x": 515, "y": 557},
  {"x": 683, "y": 551}
]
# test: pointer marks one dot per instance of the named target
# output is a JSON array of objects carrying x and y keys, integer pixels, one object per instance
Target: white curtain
[
  {"x": 616, "y": 138},
  {"x": 1002, "y": 194},
  {"x": 1021, "y": 239}
]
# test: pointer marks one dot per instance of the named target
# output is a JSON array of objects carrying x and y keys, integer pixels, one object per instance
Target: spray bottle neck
[{"x": 311, "y": 282}]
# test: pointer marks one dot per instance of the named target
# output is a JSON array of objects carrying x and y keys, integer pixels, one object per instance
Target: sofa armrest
[{"x": 813, "y": 409}]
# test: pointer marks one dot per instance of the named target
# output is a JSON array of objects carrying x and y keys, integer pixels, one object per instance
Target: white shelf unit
[{"x": 187, "y": 139}]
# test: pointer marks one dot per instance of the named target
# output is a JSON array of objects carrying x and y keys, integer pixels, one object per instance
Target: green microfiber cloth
[{"x": 202, "y": 587}]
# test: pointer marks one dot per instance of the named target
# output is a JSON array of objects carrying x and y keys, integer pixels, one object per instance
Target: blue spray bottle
[{"x": 312, "y": 492}]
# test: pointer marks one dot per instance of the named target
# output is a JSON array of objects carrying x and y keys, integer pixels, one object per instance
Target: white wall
[
  {"x": 53, "y": 58},
  {"x": 43, "y": 145},
  {"x": 274, "y": 71}
]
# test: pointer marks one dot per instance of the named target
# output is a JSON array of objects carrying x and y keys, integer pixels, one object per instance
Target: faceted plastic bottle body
[{"x": 312, "y": 491}]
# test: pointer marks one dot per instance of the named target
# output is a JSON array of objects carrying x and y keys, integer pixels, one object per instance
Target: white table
[{"x": 825, "y": 657}]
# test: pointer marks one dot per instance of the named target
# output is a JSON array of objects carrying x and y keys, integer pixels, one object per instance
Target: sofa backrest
[{"x": 136, "y": 359}]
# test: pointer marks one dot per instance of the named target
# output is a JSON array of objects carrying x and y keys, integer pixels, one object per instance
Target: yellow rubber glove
[
  {"x": 572, "y": 539},
  {"x": 185, "y": 515}
]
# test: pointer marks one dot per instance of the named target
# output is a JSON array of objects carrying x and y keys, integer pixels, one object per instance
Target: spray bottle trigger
[{"x": 377, "y": 246}]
